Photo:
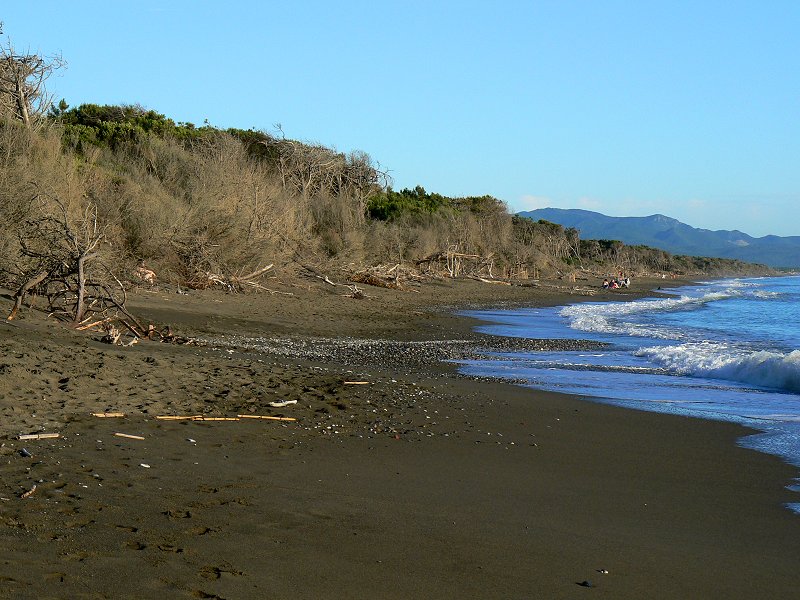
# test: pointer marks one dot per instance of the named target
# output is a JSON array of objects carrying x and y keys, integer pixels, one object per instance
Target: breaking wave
[
  {"x": 610, "y": 317},
  {"x": 719, "y": 361}
]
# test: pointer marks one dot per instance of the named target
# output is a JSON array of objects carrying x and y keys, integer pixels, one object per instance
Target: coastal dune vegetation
[
  {"x": 193, "y": 202},
  {"x": 100, "y": 193}
]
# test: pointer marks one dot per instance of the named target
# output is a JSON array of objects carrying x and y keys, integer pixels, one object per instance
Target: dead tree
[
  {"x": 310, "y": 170},
  {"x": 23, "y": 93},
  {"x": 57, "y": 250}
]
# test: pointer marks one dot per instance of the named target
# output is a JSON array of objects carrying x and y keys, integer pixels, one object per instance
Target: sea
[{"x": 727, "y": 350}]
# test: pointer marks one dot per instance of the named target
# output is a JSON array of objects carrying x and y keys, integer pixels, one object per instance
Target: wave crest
[
  {"x": 763, "y": 368},
  {"x": 609, "y": 317}
]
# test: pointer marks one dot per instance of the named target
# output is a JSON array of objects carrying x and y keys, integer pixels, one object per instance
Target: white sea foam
[
  {"x": 609, "y": 317},
  {"x": 764, "y": 294},
  {"x": 778, "y": 417},
  {"x": 721, "y": 361}
]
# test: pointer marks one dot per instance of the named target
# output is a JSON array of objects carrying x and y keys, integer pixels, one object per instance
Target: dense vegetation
[{"x": 126, "y": 186}]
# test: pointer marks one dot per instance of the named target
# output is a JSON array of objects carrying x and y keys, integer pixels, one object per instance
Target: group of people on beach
[{"x": 616, "y": 282}]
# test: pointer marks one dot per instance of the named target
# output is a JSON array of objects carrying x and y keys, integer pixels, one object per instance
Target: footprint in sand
[
  {"x": 134, "y": 545},
  {"x": 177, "y": 514},
  {"x": 80, "y": 524},
  {"x": 210, "y": 572},
  {"x": 202, "y": 594},
  {"x": 200, "y": 530}
]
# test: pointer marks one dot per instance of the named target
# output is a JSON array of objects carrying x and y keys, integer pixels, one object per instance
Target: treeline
[{"x": 124, "y": 186}]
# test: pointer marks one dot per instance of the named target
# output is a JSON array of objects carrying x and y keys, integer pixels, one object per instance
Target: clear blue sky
[{"x": 685, "y": 108}]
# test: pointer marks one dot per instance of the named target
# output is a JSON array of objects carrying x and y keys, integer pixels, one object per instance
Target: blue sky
[{"x": 689, "y": 109}]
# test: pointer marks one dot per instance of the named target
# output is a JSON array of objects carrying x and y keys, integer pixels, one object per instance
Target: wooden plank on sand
[{"x": 108, "y": 415}]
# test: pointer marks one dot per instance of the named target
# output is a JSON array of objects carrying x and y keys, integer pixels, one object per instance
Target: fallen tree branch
[
  {"x": 369, "y": 279},
  {"x": 20, "y": 295},
  {"x": 253, "y": 275},
  {"x": 495, "y": 281}
]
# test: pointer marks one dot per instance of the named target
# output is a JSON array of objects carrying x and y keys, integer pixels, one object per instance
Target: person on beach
[{"x": 605, "y": 283}]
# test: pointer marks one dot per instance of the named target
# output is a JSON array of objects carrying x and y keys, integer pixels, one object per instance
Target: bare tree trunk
[
  {"x": 22, "y": 103},
  {"x": 80, "y": 304}
]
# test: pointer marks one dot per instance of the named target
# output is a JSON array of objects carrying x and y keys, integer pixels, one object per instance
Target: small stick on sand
[
  {"x": 215, "y": 419},
  {"x": 94, "y": 324},
  {"x": 38, "y": 436},
  {"x": 129, "y": 436},
  {"x": 29, "y": 492},
  {"x": 178, "y": 417},
  {"x": 108, "y": 415},
  {"x": 356, "y": 382},
  {"x": 266, "y": 417}
]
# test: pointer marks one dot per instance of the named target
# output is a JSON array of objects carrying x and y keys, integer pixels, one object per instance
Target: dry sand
[{"x": 420, "y": 484}]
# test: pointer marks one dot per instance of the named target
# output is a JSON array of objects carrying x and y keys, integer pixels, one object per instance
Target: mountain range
[{"x": 675, "y": 237}]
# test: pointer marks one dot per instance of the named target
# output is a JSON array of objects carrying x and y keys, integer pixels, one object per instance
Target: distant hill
[{"x": 673, "y": 236}]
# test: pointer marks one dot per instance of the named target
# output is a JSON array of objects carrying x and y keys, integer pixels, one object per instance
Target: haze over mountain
[{"x": 673, "y": 236}]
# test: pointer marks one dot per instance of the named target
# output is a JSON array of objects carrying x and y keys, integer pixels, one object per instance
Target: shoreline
[
  {"x": 754, "y": 426},
  {"x": 416, "y": 484}
]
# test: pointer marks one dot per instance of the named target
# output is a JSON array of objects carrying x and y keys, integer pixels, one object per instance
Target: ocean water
[{"x": 726, "y": 350}]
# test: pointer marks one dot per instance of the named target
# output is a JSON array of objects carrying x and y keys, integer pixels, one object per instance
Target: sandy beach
[{"x": 398, "y": 478}]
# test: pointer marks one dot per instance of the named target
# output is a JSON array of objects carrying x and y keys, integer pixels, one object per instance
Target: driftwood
[
  {"x": 495, "y": 281},
  {"x": 236, "y": 418},
  {"x": 100, "y": 323},
  {"x": 370, "y": 279},
  {"x": 266, "y": 417},
  {"x": 129, "y": 436},
  {"x": 282, "y": 403},
  {"x": 114, "y": 335},
  {"x": 177, "y": 417},
  {"x": 108, "y": 415},
  {"x": 97, "y": 305},
  {"x": 253, "y": 275},
  {"x": 20, "y": 295},
  {"x": 231, "y": 283},
  {"x": 355, "y": 291},
  {"x": 315, "y": 273},
  {"x": 38, "y": 436}
]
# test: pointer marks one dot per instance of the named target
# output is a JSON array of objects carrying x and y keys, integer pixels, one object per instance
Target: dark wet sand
[{"x": 418, "y": 485}]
